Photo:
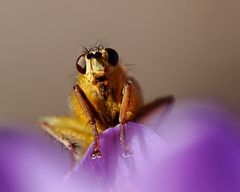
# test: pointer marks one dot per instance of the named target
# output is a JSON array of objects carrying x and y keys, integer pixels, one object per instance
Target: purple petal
[
  {"x": 211, "y": 164},
  {"x": 204, "y": 154},
  {"x": 192, "y": 147},
  {"x": 113, "y": 172},
  {"x": 29, "y": 162}
]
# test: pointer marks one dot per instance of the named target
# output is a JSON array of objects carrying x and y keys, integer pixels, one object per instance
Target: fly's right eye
[
  {"x": 112, "y": 56},
  {"x": 81, "y": 64}
]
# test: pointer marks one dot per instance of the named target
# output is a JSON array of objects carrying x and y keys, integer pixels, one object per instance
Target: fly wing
[
  {"x": 73, "y": 133},
  {"x": 159, "y": 107}
]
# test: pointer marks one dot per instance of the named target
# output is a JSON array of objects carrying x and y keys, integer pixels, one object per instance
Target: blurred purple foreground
[{"x": 193, "y": 147}]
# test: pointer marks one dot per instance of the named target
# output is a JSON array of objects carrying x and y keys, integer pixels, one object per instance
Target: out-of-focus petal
[
  {"x": 29, "y": 162},
  {"x": 211, "y": 164},
  {"x": 204, "y": 151}
]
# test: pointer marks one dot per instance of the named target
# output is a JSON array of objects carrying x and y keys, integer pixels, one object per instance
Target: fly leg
[
  {"x": 87, "y": 111},
  {"x": 126, "y": 114},
  {"x": 72, "y": 156}
]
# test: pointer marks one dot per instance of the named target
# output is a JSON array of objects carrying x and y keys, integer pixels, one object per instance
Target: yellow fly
[{"x": 103, "y": 96}]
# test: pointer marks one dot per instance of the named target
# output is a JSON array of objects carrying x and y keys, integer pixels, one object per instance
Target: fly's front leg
[
  {"x": 127, "y": 110},
  {"x": 86, "y": 110}
]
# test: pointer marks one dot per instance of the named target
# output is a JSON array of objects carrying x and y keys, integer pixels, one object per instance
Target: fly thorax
[{"x": 103, "y": 89}]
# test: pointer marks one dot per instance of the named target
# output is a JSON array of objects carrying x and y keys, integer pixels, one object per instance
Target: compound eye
[
  {"x": 112, "y": 56},
  {"x": 81, "y": 64},
  {"x": 98, "y": 55}
]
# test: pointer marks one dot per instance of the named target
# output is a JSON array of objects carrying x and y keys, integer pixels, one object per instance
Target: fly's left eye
[
  {"x": 112, "y": 56},
  {"x": 98, "y": 55},
  {"x": 81, "y": 64}
]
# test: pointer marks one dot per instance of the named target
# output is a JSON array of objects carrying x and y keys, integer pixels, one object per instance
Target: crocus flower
[{"x": 191, "y": 147}]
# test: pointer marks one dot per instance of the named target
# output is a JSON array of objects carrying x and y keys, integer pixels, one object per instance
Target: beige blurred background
[{"x": 183, "y": 47}]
